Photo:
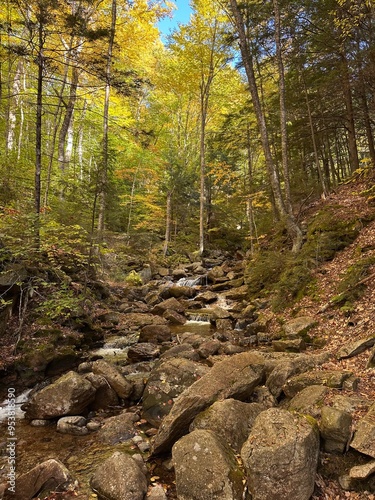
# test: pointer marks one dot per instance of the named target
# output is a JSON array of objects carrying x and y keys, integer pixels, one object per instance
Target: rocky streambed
[{"x": 174, "y": 407}]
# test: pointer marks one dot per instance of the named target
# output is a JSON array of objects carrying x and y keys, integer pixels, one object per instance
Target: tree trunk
[
  {"x": 350, "y": 126},
  {"x": 104, "y": 170},
  {"x": 38, "y": 127},
  {"x": 205, "y": 90},
  {"x": 66, "y": 124},
  {"x": 12, "y": 117},
  {"x": 202, "y": 157},
  {"x": 366, "y": 116},
  {"x": 313, "y": 139},
  {"x": 80, "y": 140},
  {"x": 292, "y": 227},
  {"x": 283, "y": 118},
  {"x": 168, "y": 223},
  {"x": 22, "y": 119}
]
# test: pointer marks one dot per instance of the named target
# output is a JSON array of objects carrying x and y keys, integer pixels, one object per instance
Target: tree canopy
[{"x": 203, "y": 141}]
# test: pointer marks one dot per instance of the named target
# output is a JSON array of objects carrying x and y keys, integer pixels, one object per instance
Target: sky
[{"x": 181, "y": 15}]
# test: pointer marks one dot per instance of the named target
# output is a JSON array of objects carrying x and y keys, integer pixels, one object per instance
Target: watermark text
[{"x": 11, "y": 439}]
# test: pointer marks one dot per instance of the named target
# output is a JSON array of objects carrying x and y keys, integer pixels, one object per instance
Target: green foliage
[
  {"x": 133, "y": 279},
  {"x": 66, "y": 247},
  {"x": 61, "y": 304},
  {"x": 17, "y": 235}
]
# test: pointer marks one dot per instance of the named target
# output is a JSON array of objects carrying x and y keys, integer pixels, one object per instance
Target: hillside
[{"x": 338, "y": 324}]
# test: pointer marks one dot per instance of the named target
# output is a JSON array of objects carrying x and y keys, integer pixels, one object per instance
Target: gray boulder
[
  {"x": 118, "y": 429},
  {"x": 181, "y": 292},
  {"x": 206, "y": 468},
  {"x": 114, "y": 378},
  {"x": 206, "y": 297},
  {"x": 235, "y": 377},
  {"x": 281, "y": 456},
  {"x": 181, "y": 351},
  {"x": 71, "y": 394},
  {"x": 287, "y": 367},
  {"x": 167, "y": 381},
  {"x": 169, "y": 304},
  {"x": 309, "y": 401},
  {"x": 229, "y": 419},
  {"x": 75, "y": 426},
  {"x": 333, "y": 378},
  {"x": 105, "y": 396},
  {"x": 356, "y": 347},
  {"x": 299, "y": 326},
  {"x": 174, "y": 317},
  {"x": 335, "y": 429},
  {"x": 289, "y": 345},
  {"x": 119, "y": 478},
  {"x": 364, "y": 437}
]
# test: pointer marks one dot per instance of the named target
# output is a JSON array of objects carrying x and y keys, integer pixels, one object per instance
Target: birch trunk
[
  {"x": 12, "y": 115},
  {"x": 63, "y": 159}
]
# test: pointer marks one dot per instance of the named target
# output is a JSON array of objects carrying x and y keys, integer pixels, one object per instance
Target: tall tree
[
  {"x": 105, "y": 151},
  {"x": 248, "y": 62}
]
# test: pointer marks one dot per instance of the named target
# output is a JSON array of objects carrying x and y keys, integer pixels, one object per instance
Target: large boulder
[
  {"x": 167, "y": 381},
  {"x": 119, "y": 478},
  {"x": 281, "y": 456},
  {"x": 136, "y": 321},
  {"x": 174, "y": 317},
  {"x": 181, "y": 351},
  {"x": 309, "y": 401},
  {"x": 288, "y": 367},
  {"x": 181, "y": 292},
  {"x": 206, "y": 468},
  {"x": 299, "y": 326},
  {"x": 332, "y": 378},
  {"x": 230, "y": 419},
  {"x": 118, "y": 429},
  {"x": 356, "y": 347},
  {"x": 143, "y": 352},
  {"x": 335, "y": 429},
  {"x": 105, "y": 396},
  {"x": 169, "y": 304},
  {"x": 235, "y": 377},
  {"x": 71, "y": 394},
  {"x": 155, "y": 334},
  {"x": 114, "y": 378},
  {"x": 364, "y": 437}
]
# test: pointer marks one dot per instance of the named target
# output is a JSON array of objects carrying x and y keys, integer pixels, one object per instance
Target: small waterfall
[
  {"x": 198, "y": 317},
  {"x": 190, "y": 282}
]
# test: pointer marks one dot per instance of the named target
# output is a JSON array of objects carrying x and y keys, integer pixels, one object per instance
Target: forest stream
[{"x": 83, "y": 454}]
